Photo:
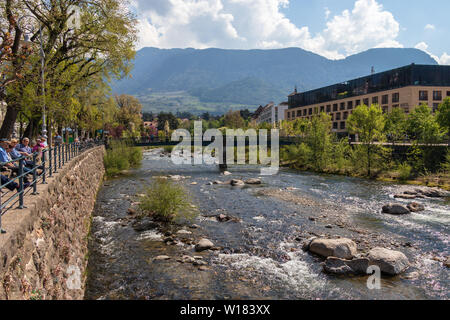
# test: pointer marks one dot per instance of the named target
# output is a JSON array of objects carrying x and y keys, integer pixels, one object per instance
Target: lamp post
[{"x": 42, "y": 54}]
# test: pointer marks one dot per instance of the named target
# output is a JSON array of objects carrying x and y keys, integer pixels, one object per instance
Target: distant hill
[{"x": 212, "y": 78}]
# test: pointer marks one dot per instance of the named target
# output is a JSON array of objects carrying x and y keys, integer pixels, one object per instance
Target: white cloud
[
  {"x": 430, "y": 27},
  {"x": 249, "y": 24},
  {"x": 444, "y": 59}
]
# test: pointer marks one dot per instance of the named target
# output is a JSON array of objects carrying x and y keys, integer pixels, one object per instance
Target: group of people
[{"x": 11, "y": 150}]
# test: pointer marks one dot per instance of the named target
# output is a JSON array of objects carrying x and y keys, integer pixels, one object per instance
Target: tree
[
  {"x": 423, "y": 125},
  {"x": 102, "y": 45},
  {"x": 368, "y": 123},
  {"x": 395, "y": 127},
  {"x": 443, "y": 115},
  {"x": 318, "y": 138},
  {"x": 129, "y": 115},
  {"x": 233, "y": 120},
  {"x": 167, "y": 116}
]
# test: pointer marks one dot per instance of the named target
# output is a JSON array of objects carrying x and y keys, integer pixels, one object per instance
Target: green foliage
[
  {"x": 167, "y": 201},
  {"x": 120, "y": 157},
  {"x": 443, "y": 115},
  {"x": 395, "y": 127},
  {"x": 446, "y": 165},
  {"x": 404, "y": 171},
  {"x": 423, "y": 126},
  {"x": 299, "y": 155},
  {"x": 368, "y": 123},
  {"x": 318, "y": 138}
]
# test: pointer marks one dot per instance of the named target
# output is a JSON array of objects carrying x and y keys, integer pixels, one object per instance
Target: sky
[{"x": 332, "y": 28}]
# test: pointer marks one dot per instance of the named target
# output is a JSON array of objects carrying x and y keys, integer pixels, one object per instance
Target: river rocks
[
  {"x": 199, "y": 263},
  {"x": 194, "y": 183},
  {"x": 187, "y": 259},
  {"x": 390, "y": 262},
  {"x": 182, "y": 231},
  {"x": 222, "y": 218},
  {"x": 203, "y": 244},
  {"x": 227, "y": 173},
  {"x": 237, "y": 183},
  {"x": 427, "y": 192},
  {"x": 342, "y": 266},
  {"x": 253, "y": 181},
  {"x": 405, "y": 196},
  {"x": 161, "y": 258},
  {"x": 340, "y": 248},
  {"x": 131, "y": 211},
  {"x": 447, "y": 262},
  {"x": 396, "y": 209},
  {"x": 415, "y": 207}
]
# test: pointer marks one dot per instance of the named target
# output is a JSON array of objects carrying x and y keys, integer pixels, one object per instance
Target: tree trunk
[{"x": 9, "y": 121}]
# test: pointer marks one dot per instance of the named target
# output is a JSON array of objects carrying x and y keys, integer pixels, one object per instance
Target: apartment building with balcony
[{"x": 405, "y": 88}]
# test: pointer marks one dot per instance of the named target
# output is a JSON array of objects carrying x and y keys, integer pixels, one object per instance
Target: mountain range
[{"x": 216, "y": 80}]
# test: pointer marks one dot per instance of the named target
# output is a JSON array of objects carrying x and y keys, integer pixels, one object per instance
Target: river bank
[{"x": 257, "y": 253}]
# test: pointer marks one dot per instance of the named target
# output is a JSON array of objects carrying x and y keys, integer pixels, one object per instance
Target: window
[
  {"x": 332, "y": 116},
  {"x": 350, "y": 105},
  {"x": 329, "y": 108},
  {"x": 342, "y": 106},
  {"x": 366, "y": 102},
  {"x": 437, "y": 95},
  {"x": 335, "y": 125},
  {"x": 448, "y": 93},
  {"x": 345, "y": 115},
  {"x": 423, "y": 95},
  {"x": 316, "y": 110},
  {"x": 305, "y": 112},
  {"x": 342, "y": 125},
  {"x": 310, "y": 111},
  {"x": 385, "y": 109},
  {"x": 395, "y": 97},
  {"x": 322, "y": 108},
  {"x": 335, "y": 107},
  {"x": 358, "y": 103},
  {"x": 395, "y": 106},
  {"x": 288, "y": 115},
  {"x": 385, "y": 99},
  {"x": 338, "y": 116},
  {"x": 435, "y": 107},
  {"x": 375, "y": 100}
]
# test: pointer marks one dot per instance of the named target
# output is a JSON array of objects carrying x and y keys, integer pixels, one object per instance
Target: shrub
[
  {"x": 404, "y": 171},
  {"x": 166, "y": 201},
  {"x": 119, "y": 157}
]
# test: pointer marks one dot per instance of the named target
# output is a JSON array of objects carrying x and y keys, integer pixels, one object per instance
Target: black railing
[{"x": 21, "y": 176}]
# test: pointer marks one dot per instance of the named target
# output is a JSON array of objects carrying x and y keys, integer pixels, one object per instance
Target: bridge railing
[{"x": 20, "y": 177}]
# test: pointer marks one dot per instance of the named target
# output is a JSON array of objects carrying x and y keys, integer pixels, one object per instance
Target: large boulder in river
[
  {"x": 342, "y": 266},
  {"x": 395, "y": 208},
  {"x": 405, "y": 196},
  {"x": 389, "y": 261},
  {"x": 203, "y": 244},
  {"x": 415, "y": 207},
  {"x": 433, "y": 192},
  {"x": 340, "y": 248}
]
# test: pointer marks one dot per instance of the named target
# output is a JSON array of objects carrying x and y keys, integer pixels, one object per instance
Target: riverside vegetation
[
  {"x": 166, "y": 201},
  {"x": 120, "y": 157},
  {"x": 319, "y": 150}
]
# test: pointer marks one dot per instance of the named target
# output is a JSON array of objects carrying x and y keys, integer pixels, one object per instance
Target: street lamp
[{"x": 42, "y": 54}]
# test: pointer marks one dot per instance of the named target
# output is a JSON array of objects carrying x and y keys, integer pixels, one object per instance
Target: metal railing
[{"x": 20, "y": 177}]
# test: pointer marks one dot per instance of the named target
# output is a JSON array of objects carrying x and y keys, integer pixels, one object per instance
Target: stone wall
[{"x": 44, "y": 252}]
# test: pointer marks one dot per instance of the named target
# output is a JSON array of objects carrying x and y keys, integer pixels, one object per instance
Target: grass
[
  {"x": 120, "y": 157},
  {"x": 167, "y": 201}
]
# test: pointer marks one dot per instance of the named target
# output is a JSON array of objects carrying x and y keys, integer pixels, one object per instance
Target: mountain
[{"x": 212, "y": 79}]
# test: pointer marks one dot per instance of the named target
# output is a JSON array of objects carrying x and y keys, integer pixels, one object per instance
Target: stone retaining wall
[{"x": 44, "y": 252}]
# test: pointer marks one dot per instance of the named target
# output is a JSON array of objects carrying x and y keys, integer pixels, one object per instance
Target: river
[{"x": 260, "y": 256}]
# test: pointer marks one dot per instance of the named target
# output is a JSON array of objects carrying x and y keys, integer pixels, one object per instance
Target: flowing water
[{"x": 261, "y": 256}]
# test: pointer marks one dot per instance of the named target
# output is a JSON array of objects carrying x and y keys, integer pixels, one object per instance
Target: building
[
  {"x": 272, "y": 113},
  {"x": 405, "y": 88}
]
